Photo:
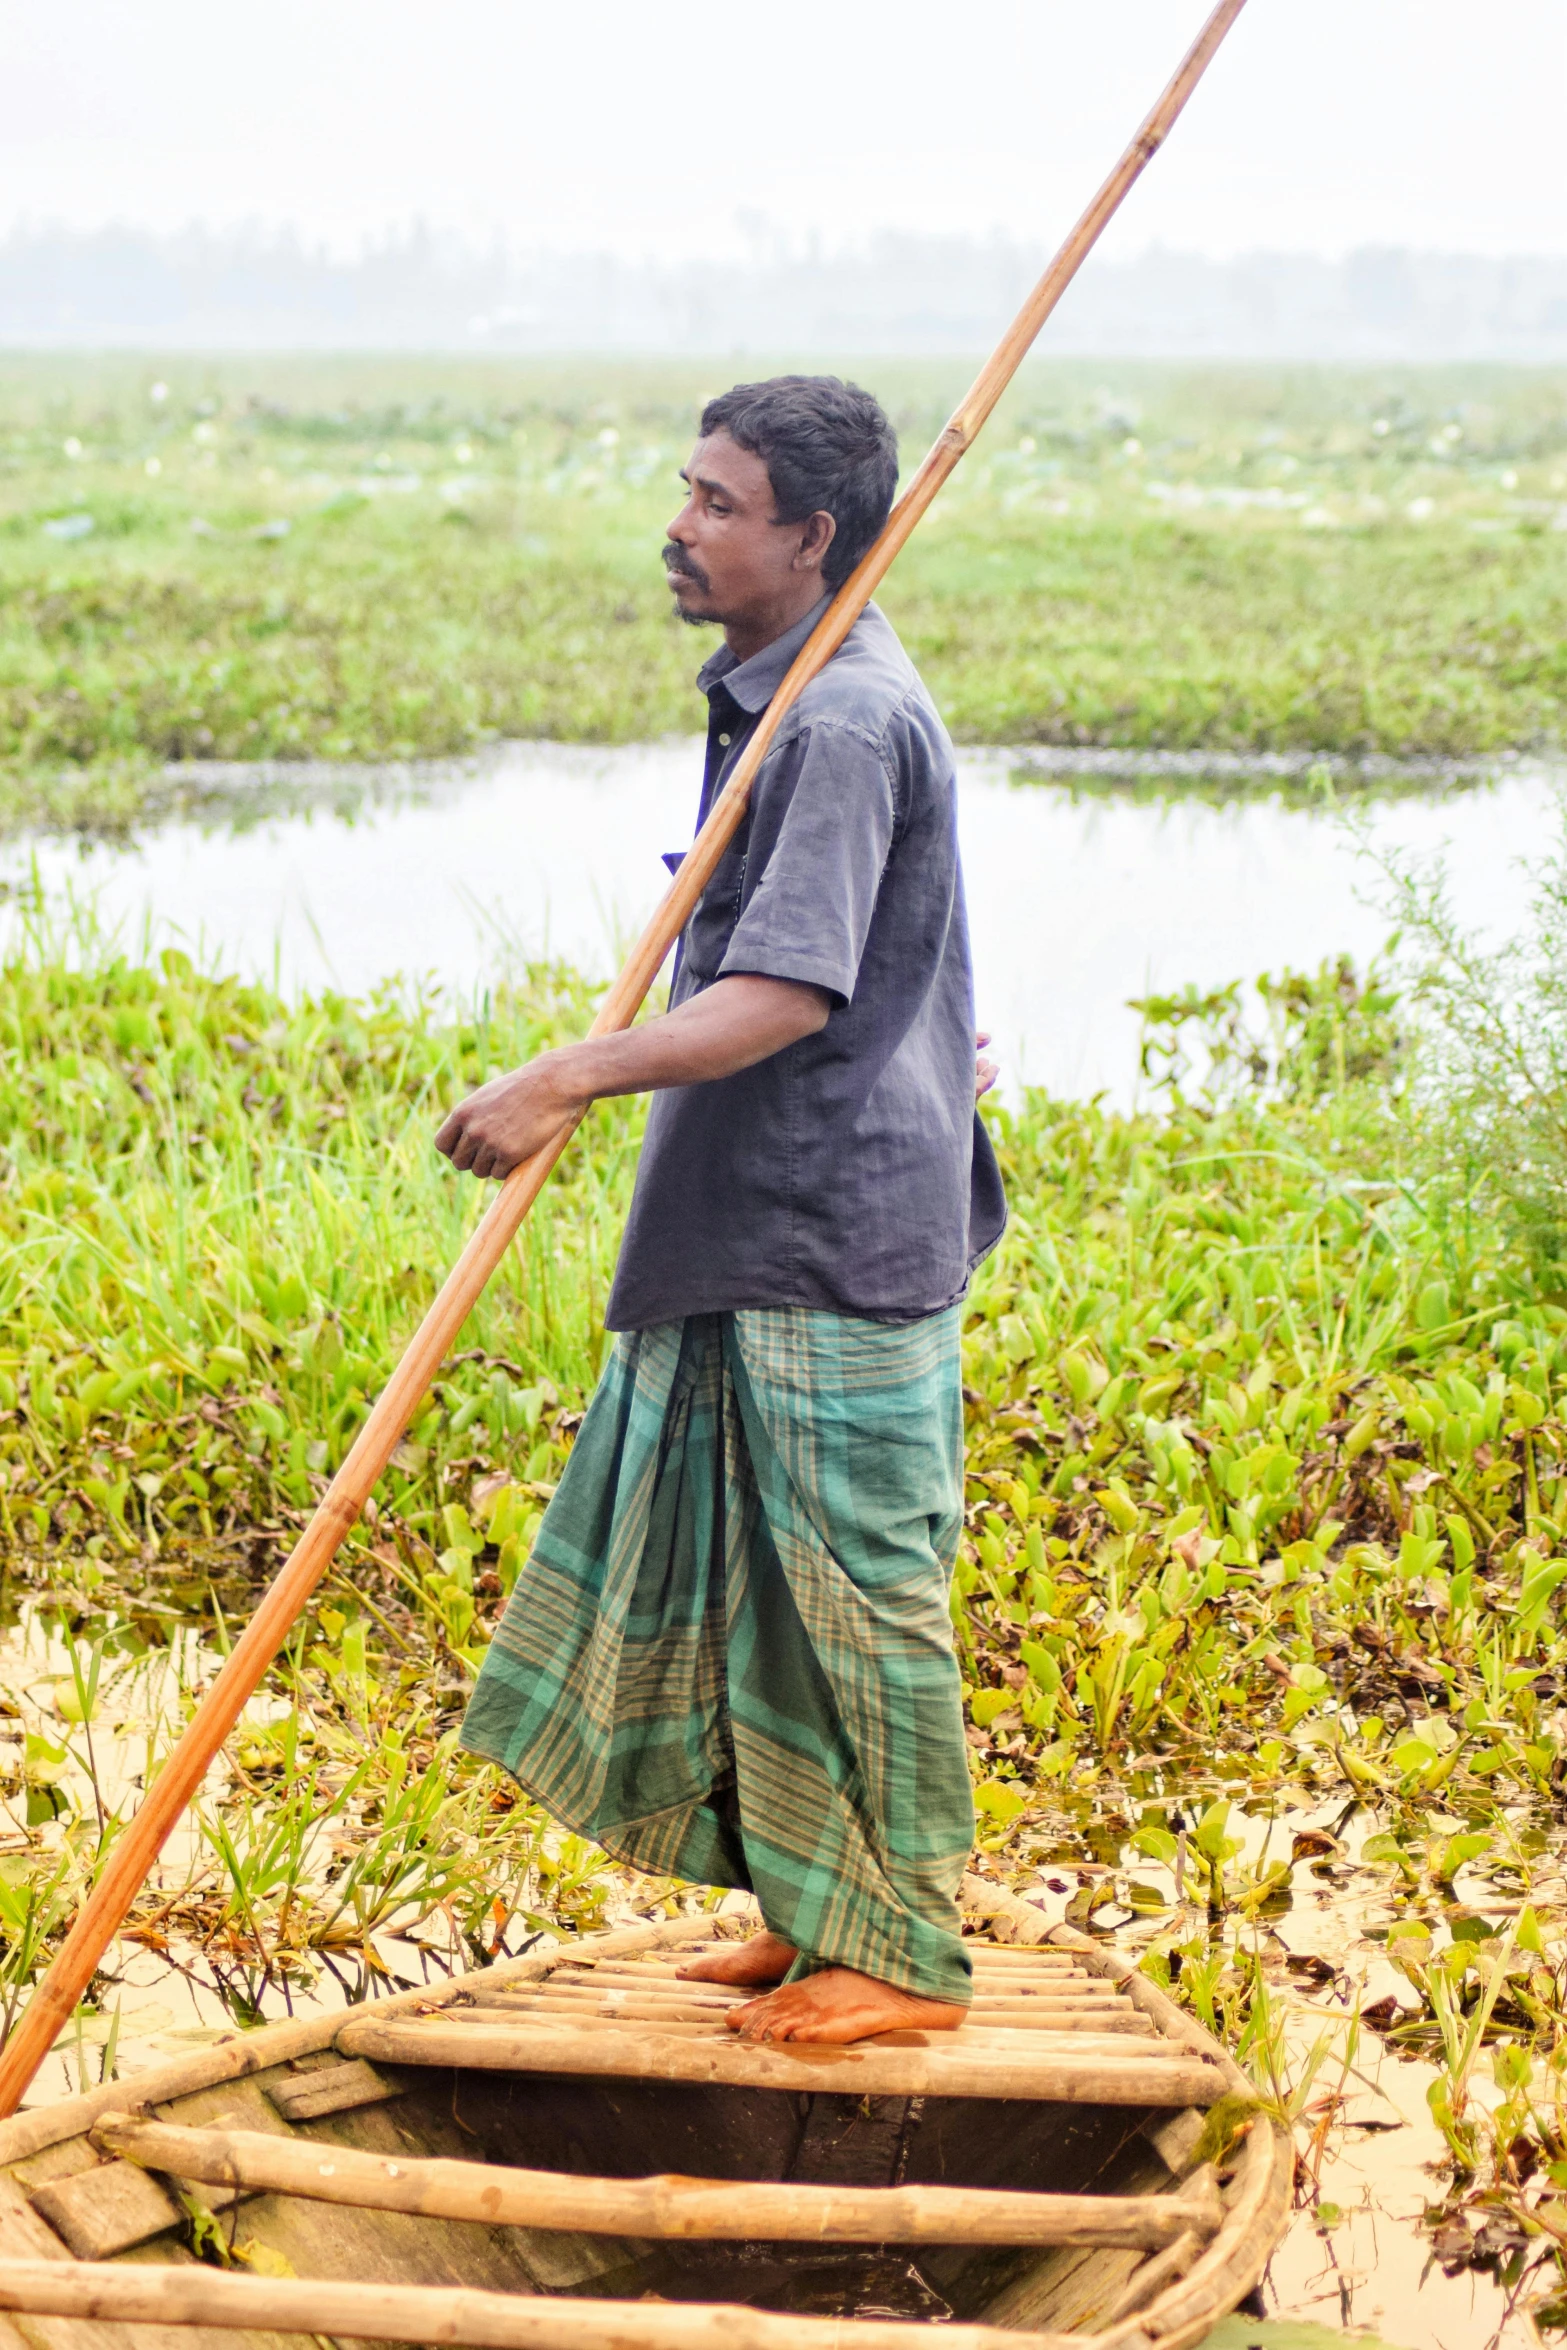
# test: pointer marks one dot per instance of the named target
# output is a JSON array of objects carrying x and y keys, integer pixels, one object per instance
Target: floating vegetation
[
  {"x": 1268, "y": 1472},
  {"x": 352, "y": 560}
]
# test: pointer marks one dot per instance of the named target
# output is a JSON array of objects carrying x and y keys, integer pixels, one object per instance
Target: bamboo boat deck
[
  {"x": 1041, "y": 2027},
  {"x": 571, "y": 2152}
]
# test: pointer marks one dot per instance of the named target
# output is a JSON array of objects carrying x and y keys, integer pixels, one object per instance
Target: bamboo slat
[
  {"x": 999, "y": 2045},
  {"x": 237, "y": 2057},
  {"x": 716, "y": 2209},
  {"x": 1069, "y": 1991},
  {"x": 168, "y": 2298},
  {"x": 668, "y": 2015},
  {"x": 1149, "y": 2281},
  {"x": 987, "y": 1958},
  {"x": 1151, "y": 2076}
]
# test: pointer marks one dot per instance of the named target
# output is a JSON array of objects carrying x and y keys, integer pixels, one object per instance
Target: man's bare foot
[
  {"x": 761, "y": 1958},
  {"x": 836, "y": 2005}
]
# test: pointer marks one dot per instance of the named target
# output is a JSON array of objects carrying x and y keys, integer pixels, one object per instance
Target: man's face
[{"x": 728, "y": 557}]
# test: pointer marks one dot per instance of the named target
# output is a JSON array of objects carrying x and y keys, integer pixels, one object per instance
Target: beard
[{"x": 679, "y": 565}]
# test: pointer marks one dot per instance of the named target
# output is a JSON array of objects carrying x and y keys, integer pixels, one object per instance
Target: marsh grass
[
  {"x": 1493, "y": 1020},
  {"x": 360, "y": 560},
  {"x": 1259, "y": 1601}
]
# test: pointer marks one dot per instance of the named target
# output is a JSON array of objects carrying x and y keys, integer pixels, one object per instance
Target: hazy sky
[{"x": 1323, "y": 124}]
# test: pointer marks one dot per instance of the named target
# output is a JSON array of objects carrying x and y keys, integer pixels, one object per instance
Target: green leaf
[
  {"x": 1041, "y": 1666},
  {"x": 999, "y": 1800},
  {"x": 986, "y": 1704},
  {"x": 1119, "y": 1508},
  {"x": 1457, "y": 1851},
  {"x": 1433, "y": 1307},
  {"x": 1211, "y": 1832},
  {"x": 1156, "y": 1843}
]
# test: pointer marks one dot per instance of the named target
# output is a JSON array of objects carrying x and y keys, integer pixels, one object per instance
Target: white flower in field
[
  {"x": 277, "y": 529},
  {"x": 158, "y": 394},
  {"x": 1316, "y": 518},
  {"x": 1381, "y": 428},
  {"x": 72, "y": 446},
  {"x": 1027, "y": 445},
  {"x": 1509, "y": 479},
  {"x": 204, "y": 433},
  {"x": 609, "y": 438},
  {"x": 1420, "y": 509},
  {"x": 1452, "y": 433},
  {"x": 69, "y": 526},
  {"x": 463, "y": 453},
  {"x": 1131, "y": 446},
  {"x": 153, "y": 467}
]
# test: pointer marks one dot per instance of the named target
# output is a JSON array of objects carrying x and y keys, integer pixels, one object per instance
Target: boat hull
[{"x": 58, "y": 2191}]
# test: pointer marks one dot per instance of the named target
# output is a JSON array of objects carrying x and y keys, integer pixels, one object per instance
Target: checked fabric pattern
[{"x": 730, "y": 1656}]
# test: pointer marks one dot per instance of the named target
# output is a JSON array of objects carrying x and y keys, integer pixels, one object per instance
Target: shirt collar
[{"x": 753, "y": 683}]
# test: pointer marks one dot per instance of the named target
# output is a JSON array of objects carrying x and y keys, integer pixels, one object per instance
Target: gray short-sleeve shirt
[{"x": 849, "y": 1172}]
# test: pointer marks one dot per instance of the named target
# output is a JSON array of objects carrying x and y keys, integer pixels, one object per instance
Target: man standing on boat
[{"x": 730, "y": 1657}]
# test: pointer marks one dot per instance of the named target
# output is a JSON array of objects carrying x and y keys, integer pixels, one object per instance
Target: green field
[{"x": 366, "y": 558}]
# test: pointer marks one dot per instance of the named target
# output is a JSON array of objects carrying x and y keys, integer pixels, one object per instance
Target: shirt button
[{"x": 723, "y": 742}]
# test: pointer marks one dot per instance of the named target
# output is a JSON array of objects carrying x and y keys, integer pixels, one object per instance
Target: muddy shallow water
[{"x": 1080, "y": 896}]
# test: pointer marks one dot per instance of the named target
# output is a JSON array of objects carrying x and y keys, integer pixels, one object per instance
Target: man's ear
[{"x": 816, "y": 536}]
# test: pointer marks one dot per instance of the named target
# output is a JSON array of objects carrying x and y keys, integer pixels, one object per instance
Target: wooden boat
[{"x": 568, "y": 2151}]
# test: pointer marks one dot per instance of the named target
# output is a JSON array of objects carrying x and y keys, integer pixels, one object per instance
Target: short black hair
[{"x": 828, "y": 448}]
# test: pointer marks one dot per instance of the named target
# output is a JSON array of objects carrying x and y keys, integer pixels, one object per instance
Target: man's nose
[{"x": 681, "y": 529}]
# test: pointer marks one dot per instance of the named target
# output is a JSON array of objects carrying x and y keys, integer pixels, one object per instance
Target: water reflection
[{"x": 1085, "y": 890}]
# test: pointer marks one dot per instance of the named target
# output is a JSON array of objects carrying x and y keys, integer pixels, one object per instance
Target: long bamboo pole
[{"x": 101, "y": 1915}]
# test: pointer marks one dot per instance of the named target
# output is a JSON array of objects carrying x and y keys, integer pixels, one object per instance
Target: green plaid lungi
[{"x": 730, "y": 1656}]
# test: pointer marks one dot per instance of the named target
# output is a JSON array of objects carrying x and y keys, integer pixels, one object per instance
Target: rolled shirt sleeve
[{"x": 810, "y": 914}]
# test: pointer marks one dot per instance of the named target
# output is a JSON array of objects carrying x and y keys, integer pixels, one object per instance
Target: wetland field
[
  {"x": 390, "y": 559},
  {"x": 1260, "y": 1601}
]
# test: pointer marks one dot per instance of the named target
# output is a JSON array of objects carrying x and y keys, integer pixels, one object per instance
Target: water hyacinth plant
[
  {"x": 352, "y": 559},
  {"x": 1259, "y": 1600}
]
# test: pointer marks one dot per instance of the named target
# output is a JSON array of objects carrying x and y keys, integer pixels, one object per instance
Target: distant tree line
[{"x": 422, "y": 289}]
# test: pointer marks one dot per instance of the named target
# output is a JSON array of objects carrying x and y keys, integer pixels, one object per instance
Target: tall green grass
[
  {"x": 369, "y": 559},
  {"x": 1248, "y": 1330},
  {"x": 222, "y": 1217},
  {"x": 1267, "y": 1490}
]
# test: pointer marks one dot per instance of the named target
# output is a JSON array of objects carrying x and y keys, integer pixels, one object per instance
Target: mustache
[{"x": 679, "y": 565}]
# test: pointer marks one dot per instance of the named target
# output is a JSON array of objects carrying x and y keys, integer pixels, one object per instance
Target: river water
[{"x": 1081, "y": 897}]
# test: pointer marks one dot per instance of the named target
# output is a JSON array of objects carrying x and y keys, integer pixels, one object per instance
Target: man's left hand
[{"x": 985, "y": 1072}]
